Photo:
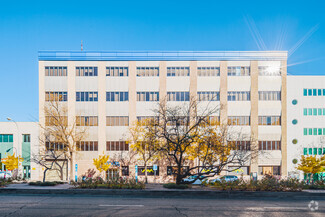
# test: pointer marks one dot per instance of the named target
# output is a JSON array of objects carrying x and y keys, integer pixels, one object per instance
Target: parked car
[
  {"x": 227, "y": 178},
  {"x": 198, "y": 180},
  {"x": 5, "y": 175}
]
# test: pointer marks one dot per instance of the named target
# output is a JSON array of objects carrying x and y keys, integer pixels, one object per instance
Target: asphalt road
[{"x": 67, "y": 205}]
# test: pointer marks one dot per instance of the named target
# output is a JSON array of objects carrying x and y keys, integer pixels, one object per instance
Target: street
[{"x": 83, "y": 205}]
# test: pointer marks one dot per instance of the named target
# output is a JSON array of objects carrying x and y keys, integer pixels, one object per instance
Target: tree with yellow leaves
[
  {"x": 144, "y": 142},
  {"x": 101, "y": 163},
  {"x": 311, "y": 165},
  {"x": 11, "y": 162}
]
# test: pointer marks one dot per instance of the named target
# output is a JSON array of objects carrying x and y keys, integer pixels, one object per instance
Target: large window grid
[
  {"x": 87, "y": 121},
  {"x": 269, "y": 145},
  {"x": 26, "y": 137},
  {"x": 117, "y": 96},
  {"x": 56, "y": 96},
  {"x": 269, "y": 120},
  {"x": 55, "y": 146},
  {"x": 208, "y": 96},
  {"x": 239, "y": 71},
  {"x": 86, "y": 96},
  {"x": 314, "y": 111},
  {"x": 269, "y": 71},
  {"x": 6, "y": 138},
  {"x": 86, "y": 71},
  {"x": 56, "y": 71},
  {"x": 208, "y": 71},
  {"x": 243, "y": 145},
  {"x": 117, "y": 71},
  {"x": 56, "y": 120},
  {"x": 147, "y": 96},
  {"x": 314, "y": 131},
  {"x": 239, "y": 120},
  {"x": 239, "y": 96},
  {"x": 117, "y": 121},
  {"x": 147, "y": 71},
  {"x": 178, "y": 71},
  {"x": 87, "y": 146},
  {"x": 117, "y": 146},
  {"x": 178, "y": 96},
  {"x": 269, "y": 95},
  {"x": 314, "y": 92}
]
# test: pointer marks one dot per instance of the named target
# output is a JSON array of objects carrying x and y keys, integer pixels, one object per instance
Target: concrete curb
[{"x": 168, "y": 193}]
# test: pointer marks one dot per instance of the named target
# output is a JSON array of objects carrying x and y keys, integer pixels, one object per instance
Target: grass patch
[{"x": 175, "y": 186}]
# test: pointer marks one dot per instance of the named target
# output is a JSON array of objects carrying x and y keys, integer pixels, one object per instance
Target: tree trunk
[
  {"x": 71, "y": 167},
  {"x": 44, "y": 174},
  {"x": 145, "y": 173},
  {"x": 179, "y": 176}
]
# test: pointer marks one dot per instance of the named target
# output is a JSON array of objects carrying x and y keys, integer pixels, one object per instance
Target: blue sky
[{"x": 29, "y": 26}]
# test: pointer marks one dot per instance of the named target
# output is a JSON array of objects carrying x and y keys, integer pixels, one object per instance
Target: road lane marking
[{"x": 121, "y": 205}]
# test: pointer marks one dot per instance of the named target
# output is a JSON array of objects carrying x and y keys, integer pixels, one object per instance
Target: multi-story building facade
[
  {"x": 306, "y": 119},
  {"x": 109, "y": 91},
  {"x": 20, "y": 138}
]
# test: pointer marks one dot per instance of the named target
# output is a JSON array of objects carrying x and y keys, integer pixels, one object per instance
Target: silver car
[
  {"x": 227, "y": 178},
  {"x": 5, "y": 175}
]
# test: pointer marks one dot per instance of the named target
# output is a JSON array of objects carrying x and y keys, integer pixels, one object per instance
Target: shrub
[
  {"x": 39, "y": 183},
  {"x": 116, "y": 183},
  {"x": 175, "y": 186}
]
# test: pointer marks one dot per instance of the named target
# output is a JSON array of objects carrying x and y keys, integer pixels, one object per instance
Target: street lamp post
[{"x": 17, "y": 149}]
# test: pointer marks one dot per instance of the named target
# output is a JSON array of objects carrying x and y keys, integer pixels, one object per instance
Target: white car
[
  {"x": 224, "y": 178},
  {"x": 198, "y": 181},
  {"x": 5, "y": 175}
]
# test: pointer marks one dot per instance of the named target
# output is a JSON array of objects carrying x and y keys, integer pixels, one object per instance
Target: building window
[
  {"x": 208, "y": 71},
  {"x": 305, "y": 151},
  {"x": 314, "y": 111},
  {"x": 117, "y": 121},
  {"x": 314, "y": 92},
  {"x": 86, "y": 71},
  {"x": 125, "y": 170},
  {"x": 117, "y": 96},
  {"x": 305, "y": 112},
  {"x": 56, "y": 120},
  {"x": 56, "y": 71},
  {"x": 148, "y": 118},
  {"x": 6, "y": 138},
  {"x": 117, "y": 146},
  {"x": 239, "y": 120},
  {"x": 314, "y": 131},
  {"x": 178, "y": 96},
  {"x": 239, "y": 96},
  {"x": 147, "y": 71},
  {"x": 87, "y": 120},
  {"x": 305, "y": 92},
  {"x": 87, "y": 146},
  {"x": 269, "y": 170},
  {"x": 86, "y": 96},
  {"x": 148, "y": 96},
  {"x": 269, "y": 120},
  {"x": 54, "y": 146},
  {"x": 178, "y": 71},
  {"x": 208, "y": 96},
  {"x": 243, "y": 145},
  {"x": 269, "y": 71},
  {"x": 56, "y": 96},
  {"x": 238, "y": 71},
  {"x": 269, "y": 96},
  {"x": 269, "y": 145},
  {"x": 26, "y": 138},
  {"x": 117, "y": 71}
]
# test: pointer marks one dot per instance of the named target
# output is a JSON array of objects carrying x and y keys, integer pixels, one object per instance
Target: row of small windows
[
  {"x": 87, "y": 121},
  {"x": 54, "y": 146},
  {"x": 178, "y": 71},
  {"x": 314, "y": 131},
  {"x": 56, "y": 71},
  {"x": 56, "y": 96},
  {"x": 314, "y": 151},
  {"x": 208, "y": 71},
  {"x": 269, "y": 120},
  {"x": 87, "y": 146},
  {"x": 314, "y": 111},
  {"x": 238, "y": 71},
  {"x": 117, "y": 146},
  {"x": 148, "y": 118},
  {"x": 154, "y": 71},
  {"x": 117, "y": 96},
  {"x": 86, "y": 71},
  {"x": 117, "y": 71},
  {"x": 178, "y": 96},
  {"x": 56, "y": 120},
  {"x": 239, "y": 96},
  {"x": 208, "y": 96},
  {"x": 86, "y": 96},
  {"x": 314, "y": 92},
  {"x": 117, "y": 121},
  {"x": 147, "y": 71},
  {"x": 243, "y": 145},
  {"x": 269, "y": 145},
  {"x": 269, "y": 95},
  {"x": 239, "y": 120},
  {"x": 6, "y": 138},
  {"x": 147, "y": 96}
]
